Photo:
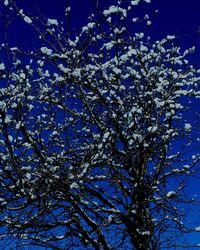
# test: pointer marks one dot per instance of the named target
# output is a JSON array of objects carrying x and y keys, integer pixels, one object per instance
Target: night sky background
[{"x": 174, "y": 17}]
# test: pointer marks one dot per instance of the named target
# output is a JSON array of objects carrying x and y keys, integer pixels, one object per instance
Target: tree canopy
[{"x": 98, "y": 134}]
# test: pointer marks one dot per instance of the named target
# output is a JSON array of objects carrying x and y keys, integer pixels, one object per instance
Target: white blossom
[{"x": 52, "y": 22}]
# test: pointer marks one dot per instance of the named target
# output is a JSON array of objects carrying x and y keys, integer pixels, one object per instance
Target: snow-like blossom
[
  {"x": 27, "y": 19},
  {"x": 171, "y": 194},
  {"x": 188, "y": 126},
  {"x": 6, "y": 2},
  {"x": 115, "y": 9},
  {"x": 2, "y": 66},
  {"x": 46, "y": 51},
  {"x": 135, "y": 2},
  {"x": 52, "y": 22}
]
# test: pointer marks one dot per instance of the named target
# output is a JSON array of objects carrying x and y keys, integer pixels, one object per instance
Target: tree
[{"x": 98, "y": 136}]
